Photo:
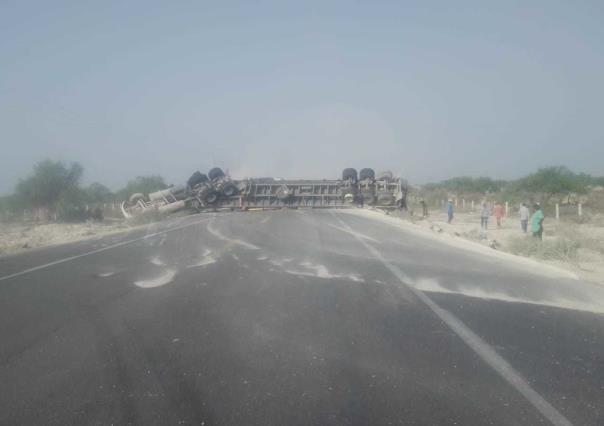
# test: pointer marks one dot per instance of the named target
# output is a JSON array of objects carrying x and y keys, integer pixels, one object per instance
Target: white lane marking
[
  {"x": 266, "y": 219},
  {"x": 356, "y": 234},
  {"x": 89, "y": 253},
  {"x": 479, "y": 346}
]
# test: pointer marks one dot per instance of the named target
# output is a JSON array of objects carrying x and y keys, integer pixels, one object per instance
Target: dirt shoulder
[
  {"x": 16, "y": 238},
  {"x": 576, "y": 248}
]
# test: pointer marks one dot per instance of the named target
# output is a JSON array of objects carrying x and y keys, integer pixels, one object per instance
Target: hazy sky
[{"x": 301, "y": 89}]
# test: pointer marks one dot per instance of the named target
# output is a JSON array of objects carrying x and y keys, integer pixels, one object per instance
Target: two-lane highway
[{"x": 293, "y": 317}]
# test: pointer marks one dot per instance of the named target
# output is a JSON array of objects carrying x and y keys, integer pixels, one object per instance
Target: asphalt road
[{"x": 293, "y": 317}]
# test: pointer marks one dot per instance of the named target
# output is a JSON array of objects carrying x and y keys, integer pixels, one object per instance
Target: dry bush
[
  {"x": 558, "y": 248},
  {"x": 586, "y": 238}
]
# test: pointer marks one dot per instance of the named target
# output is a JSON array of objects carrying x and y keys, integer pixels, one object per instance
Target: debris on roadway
[{"x": 217, "y": 191}]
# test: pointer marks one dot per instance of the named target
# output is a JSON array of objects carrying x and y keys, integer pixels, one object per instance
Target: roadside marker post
[{"x": 557, "y": 211}]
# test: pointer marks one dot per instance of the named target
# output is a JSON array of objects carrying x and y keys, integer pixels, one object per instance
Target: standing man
[
  {"x": 484, "y": 215},
  {"x": 450, "y": 211},
  {"x": 537, "y": 222},
  {"x": 498, "y": 213},
  {"x": 524, "y": 217},
  {"x": 424, "y": 208}
]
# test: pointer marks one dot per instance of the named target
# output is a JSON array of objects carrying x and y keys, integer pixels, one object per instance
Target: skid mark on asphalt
[
  {"x": 90, "y": 253},
  {"x": 479, "y": 346}
]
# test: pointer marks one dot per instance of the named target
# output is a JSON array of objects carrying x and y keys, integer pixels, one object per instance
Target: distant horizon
[
  {"x": 429, "y": 91},
  {"x": 86, "y": 181}
]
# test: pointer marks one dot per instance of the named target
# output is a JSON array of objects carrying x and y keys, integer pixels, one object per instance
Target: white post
[
  {"x": 580, "y": 209},
  {"x": 557, "y": 211},
  {"x": 472, "y": 205},
  {"x": 507, "y": 209}
]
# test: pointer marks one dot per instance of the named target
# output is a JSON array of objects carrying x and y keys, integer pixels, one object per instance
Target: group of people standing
[
  {"x": 524, "y": 213},
  {"x": 485, "y": 212},
  {"x": 498, "y": 211}
]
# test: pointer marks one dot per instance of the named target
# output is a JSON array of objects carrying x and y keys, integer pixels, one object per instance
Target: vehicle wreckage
[{"x": 217, "y": 191}]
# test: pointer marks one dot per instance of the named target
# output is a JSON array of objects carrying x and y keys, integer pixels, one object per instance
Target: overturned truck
[{"x": 217, "y": 191}]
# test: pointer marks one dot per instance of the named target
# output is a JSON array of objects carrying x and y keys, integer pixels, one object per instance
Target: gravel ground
[{"x": 588, "y": 263}]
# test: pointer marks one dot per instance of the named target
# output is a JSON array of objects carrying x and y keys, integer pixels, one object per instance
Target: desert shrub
[{"x": 559, "y": 248}]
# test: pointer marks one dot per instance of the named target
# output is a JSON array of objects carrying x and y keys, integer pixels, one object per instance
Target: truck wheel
[
  {"x": 229, "y": 189},
  {"x": 349, "y": 174},
  {"x": 211, "y": 197},
  {"x": 366, "y": 174},
  {"x": 196, "y": 179},
  {"x": 215, "y": 173}
]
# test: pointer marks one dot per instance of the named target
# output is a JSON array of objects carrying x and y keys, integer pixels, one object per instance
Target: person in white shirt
[
  {"x": 485, "y": 212},
  {"x": 524, "y": 217}
]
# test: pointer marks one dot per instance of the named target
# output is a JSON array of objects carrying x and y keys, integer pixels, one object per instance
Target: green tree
[
  {"x": 468, "y": 185},
  {"x": 50, "y": 179},
  {"x": 11, "y": 206},
  {"x": 550, "y": 181},
  {"x": 71, "y": 205},
  {"x": 98, "y": 193}
]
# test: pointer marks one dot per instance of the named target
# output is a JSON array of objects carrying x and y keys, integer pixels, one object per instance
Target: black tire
[
  {"x": 196, "y": 178},
  {"x": 349, "y": 174},
  {"x": 215, "y": 173},
  {"x": 229, "y": 189},
  {"x": 211, "y": 197},
  {"x": 366, "y": 174}
]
